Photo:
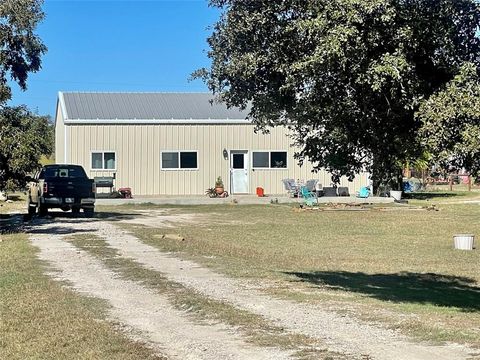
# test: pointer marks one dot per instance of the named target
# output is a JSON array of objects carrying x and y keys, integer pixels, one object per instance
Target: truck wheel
[
  {"x": 42, "y": 210},
  {"x": 32, "y": 208},
  {"x": 89, "y": 212}
]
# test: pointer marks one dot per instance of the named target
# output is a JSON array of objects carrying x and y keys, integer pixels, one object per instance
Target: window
[
  {"x": 57, "y": 171},
  {"x": 260, "y": 160},
  {"x": 103, "y": 160},
  {"x": 179, "y": 160},
  {"x": 278, "y": 159},
  {"x": 269, "y": 159},
  {"x": 170, "y": 160}
]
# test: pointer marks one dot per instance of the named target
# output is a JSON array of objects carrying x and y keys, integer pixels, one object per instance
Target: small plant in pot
[
  {"x": 211, "y": 192},
  {"x": 219, "y": 187}
]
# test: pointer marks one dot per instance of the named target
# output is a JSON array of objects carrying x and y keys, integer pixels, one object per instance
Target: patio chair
[
  {"x": 310, "y": 184},
  {"x": 343, "y": 191},
  {"x": 364, "y": 192},
  {"x": 329, "y": 191},
  {"x": 309, "y": 196},
  {"x": 290, "y": 187}
]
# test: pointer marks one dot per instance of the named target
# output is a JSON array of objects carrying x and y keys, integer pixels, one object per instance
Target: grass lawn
[
  {"x": 39, "y": 319},
  {"x": 395, "y": 265},
  {"x": 202, "y": 309}
]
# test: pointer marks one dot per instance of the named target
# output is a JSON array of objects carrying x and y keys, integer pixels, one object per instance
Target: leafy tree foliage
[
  {"x": 24, "y": 137},
  {"x": 451, "y": 123},
  {"x": 346, "y": 76},
  {"x": 20, "y": 47}
]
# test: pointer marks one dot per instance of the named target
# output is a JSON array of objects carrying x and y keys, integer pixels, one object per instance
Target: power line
[{"x": 106, "y": 83}]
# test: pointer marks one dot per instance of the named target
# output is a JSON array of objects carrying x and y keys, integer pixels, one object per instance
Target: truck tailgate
[{"x": 72, "y": 188}]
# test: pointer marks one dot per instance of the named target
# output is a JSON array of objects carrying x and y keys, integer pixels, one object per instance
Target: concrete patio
[{"x": 240, "y": 199}]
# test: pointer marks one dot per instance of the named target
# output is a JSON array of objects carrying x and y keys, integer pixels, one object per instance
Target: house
[{"x": 175, "y": 144}]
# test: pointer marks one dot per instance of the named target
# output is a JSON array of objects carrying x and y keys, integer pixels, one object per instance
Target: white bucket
[
  {"x": 463, "y": 241},
  {"x": 397, "y": 195}
]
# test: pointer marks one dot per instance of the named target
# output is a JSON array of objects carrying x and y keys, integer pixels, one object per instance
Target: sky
[{"x": 118, "y": 45}]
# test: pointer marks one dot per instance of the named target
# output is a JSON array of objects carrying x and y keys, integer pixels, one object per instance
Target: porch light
[{"x": 225, "y": 154}]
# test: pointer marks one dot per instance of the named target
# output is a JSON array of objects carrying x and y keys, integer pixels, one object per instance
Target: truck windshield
[{"x": 69, "y": 172}]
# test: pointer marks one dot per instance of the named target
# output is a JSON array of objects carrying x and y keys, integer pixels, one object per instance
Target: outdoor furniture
[
  {"x": 104, "y": 181},
  {"x": 319, "y": 189},
  {"x": 364, "y": 192},
  {"x": 310, "y": 184},
  {"x": 309, "y": 196},
  {"x": 329, "y": 191},
  {"x": 291, "y": 187},
  {"x": 343, "y": 191}
]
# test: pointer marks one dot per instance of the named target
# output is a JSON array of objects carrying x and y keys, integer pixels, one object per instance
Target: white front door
[{"x": 239, "y": 171}]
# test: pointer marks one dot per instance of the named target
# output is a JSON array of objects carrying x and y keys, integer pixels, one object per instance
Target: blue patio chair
[
  {"x": 310, "y": 197},
  {"x": 364, "y": 192}
]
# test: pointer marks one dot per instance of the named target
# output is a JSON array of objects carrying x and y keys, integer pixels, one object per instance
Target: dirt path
[
  {"x": 341, "y": 334},
  {"x": 140, "y": 309}
]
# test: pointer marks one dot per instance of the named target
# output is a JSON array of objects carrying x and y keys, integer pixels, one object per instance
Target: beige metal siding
[
  {"x": 138, "y": 149},
  {"x": 59, "y": 137}
]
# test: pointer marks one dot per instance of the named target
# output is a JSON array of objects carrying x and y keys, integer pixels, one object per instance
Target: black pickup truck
[{"x": 61, "y": 186}]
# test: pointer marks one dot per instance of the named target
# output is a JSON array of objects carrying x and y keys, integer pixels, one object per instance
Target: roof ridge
[
  {"x": 146, "y": 105},
  {"x": 137, "y": 92}
]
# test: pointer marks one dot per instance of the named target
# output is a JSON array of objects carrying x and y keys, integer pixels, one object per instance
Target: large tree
[
  {"x": 20, "y": 47},
  {"x": 24, "y": 137},
  {"x": 346, "y": 76},
  {"x": 451, "y": 123}
]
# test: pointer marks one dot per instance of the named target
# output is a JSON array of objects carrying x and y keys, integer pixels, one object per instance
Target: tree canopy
[
  {"x": 348, "y": 77},
  {"x": 451, "y": 123},
  {"x": 24, "y": 137},
  {"x": 20, "y": 47}
]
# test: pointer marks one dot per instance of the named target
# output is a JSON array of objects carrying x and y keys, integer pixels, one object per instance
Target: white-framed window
[
  {"x": 179, "y": 160},
  {"x": 269, "y": 159},
  {"x": 103, "y": 160}
]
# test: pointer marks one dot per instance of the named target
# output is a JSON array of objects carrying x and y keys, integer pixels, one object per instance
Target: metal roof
[{"x": 145, "y": 106}]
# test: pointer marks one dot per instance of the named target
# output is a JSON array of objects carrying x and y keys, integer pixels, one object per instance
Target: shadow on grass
[
  {"x": 404, "y": 287},
  {"x": 431, "y": 195},
  {"x": 16, "y": 198},
  {"x": 23, "y": 222},
  {"x": 63, "y": 230}
]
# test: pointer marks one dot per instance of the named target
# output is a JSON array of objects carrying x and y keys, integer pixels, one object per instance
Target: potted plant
[
  {"x": 211, "y": 192},
  {"x": 219, "y": 187}
]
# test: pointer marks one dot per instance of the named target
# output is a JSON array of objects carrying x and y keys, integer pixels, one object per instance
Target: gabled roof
[{"x": 93, "y": 107}]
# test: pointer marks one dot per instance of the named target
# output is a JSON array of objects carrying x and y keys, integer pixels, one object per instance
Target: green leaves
[
  {"x": 24, "y": 137},
  {"x": 20, "y": 47},
  {"x": 451, "y": 122},
  {"x": 346, "y": 76}
]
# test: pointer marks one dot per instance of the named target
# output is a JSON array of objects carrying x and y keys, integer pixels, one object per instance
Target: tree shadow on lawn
[
  {"x": 63, "y": 230},
  {"x": 404, "y": 287},
  {"x": 431, "y": 195},
  {"x": 23, "y": 222}
]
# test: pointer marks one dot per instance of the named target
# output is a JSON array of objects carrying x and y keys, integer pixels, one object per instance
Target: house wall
[
  {"x": 138, "y": 150},
  {"x": 59, "y": 137}
]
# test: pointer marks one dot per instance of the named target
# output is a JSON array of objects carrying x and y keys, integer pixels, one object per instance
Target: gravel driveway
[{"x": 176, "y": 336}]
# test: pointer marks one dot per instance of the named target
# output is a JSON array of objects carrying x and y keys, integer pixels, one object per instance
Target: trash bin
[
  {"x": 463, "y": 241},
  {"x": 260, "y": 192}
]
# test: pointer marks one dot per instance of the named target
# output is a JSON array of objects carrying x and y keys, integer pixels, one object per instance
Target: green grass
[
  {"x": 395, "y": 266},
  {"x": 18, "y": 204},
  {"x": 40, "y": 319},
  {"x": 253, "y": 327}
]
